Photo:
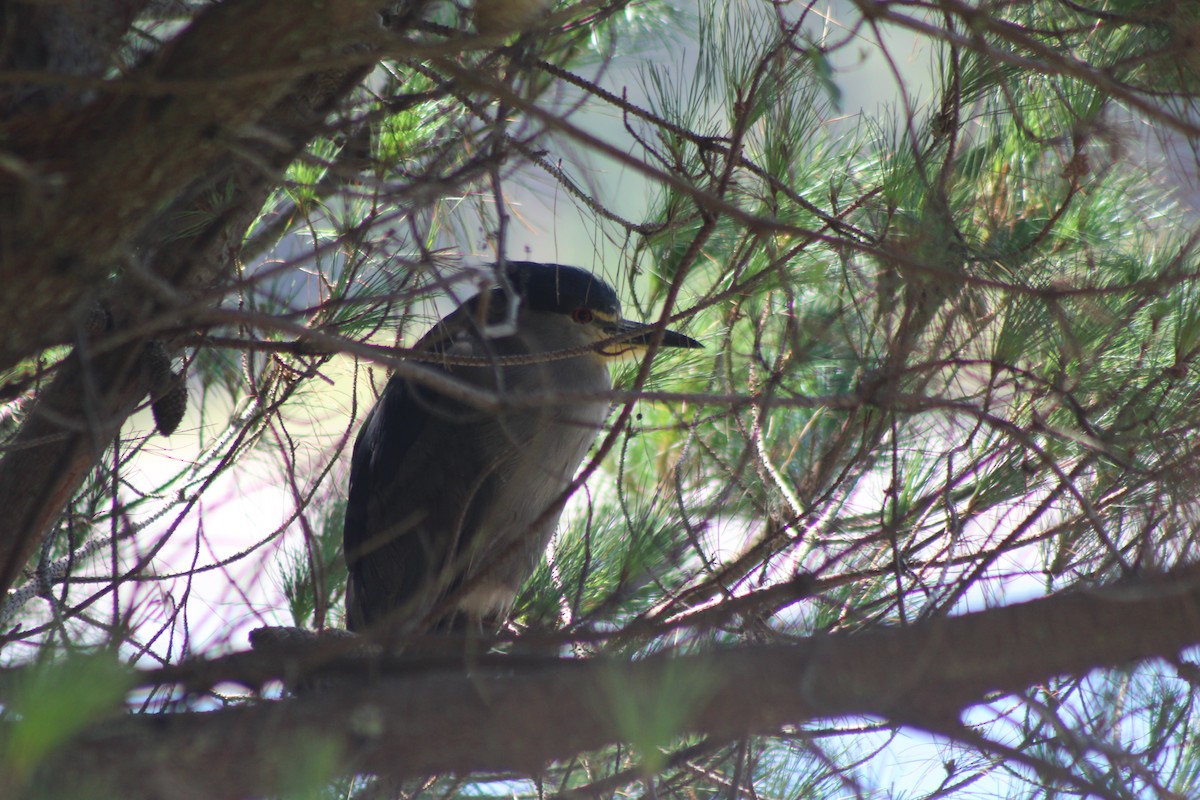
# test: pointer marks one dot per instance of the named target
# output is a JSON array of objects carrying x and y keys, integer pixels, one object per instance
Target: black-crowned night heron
[{"x": 450, "y": 506}]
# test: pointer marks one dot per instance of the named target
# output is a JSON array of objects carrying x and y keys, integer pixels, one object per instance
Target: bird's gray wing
[
  {"x": 413, "y": 476},
  {"x": 403, "y": 507},
  {"x": 384, "y": 441}
]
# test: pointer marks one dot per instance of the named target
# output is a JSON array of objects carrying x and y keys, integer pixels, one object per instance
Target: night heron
[{"x": 451, "y": 506}]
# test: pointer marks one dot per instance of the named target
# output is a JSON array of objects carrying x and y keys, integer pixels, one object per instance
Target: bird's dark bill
[{"x": 635, "y": 336}]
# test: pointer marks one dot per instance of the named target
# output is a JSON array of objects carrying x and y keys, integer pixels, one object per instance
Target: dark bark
[
  {"x": 127, "y": 167},
  {"x": 53, "y": 45},
  {"x": 94, "y": 179}
]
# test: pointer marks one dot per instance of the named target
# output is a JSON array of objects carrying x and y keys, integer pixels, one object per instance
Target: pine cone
[{"x": 167, "y": 388}]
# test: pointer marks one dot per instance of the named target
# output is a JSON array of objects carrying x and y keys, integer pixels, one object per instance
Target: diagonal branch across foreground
[{"x": 519, "y": 716}]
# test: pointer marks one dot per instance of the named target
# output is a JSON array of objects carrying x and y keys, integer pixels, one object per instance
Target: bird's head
[{"x": 591, "y": 306}]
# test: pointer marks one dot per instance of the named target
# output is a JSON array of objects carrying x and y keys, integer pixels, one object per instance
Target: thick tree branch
[
  {"x": 58, "y": 41},
  {"x": 518, "y": 716},
  {"x": 78, "y": 414},
  {"x": 91, "y": 180}
]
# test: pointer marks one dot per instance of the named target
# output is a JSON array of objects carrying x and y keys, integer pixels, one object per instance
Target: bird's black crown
[{"x": 560, "y": 289}]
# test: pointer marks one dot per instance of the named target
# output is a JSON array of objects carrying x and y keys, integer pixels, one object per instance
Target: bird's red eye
[{"x": 582, "y": 315}]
